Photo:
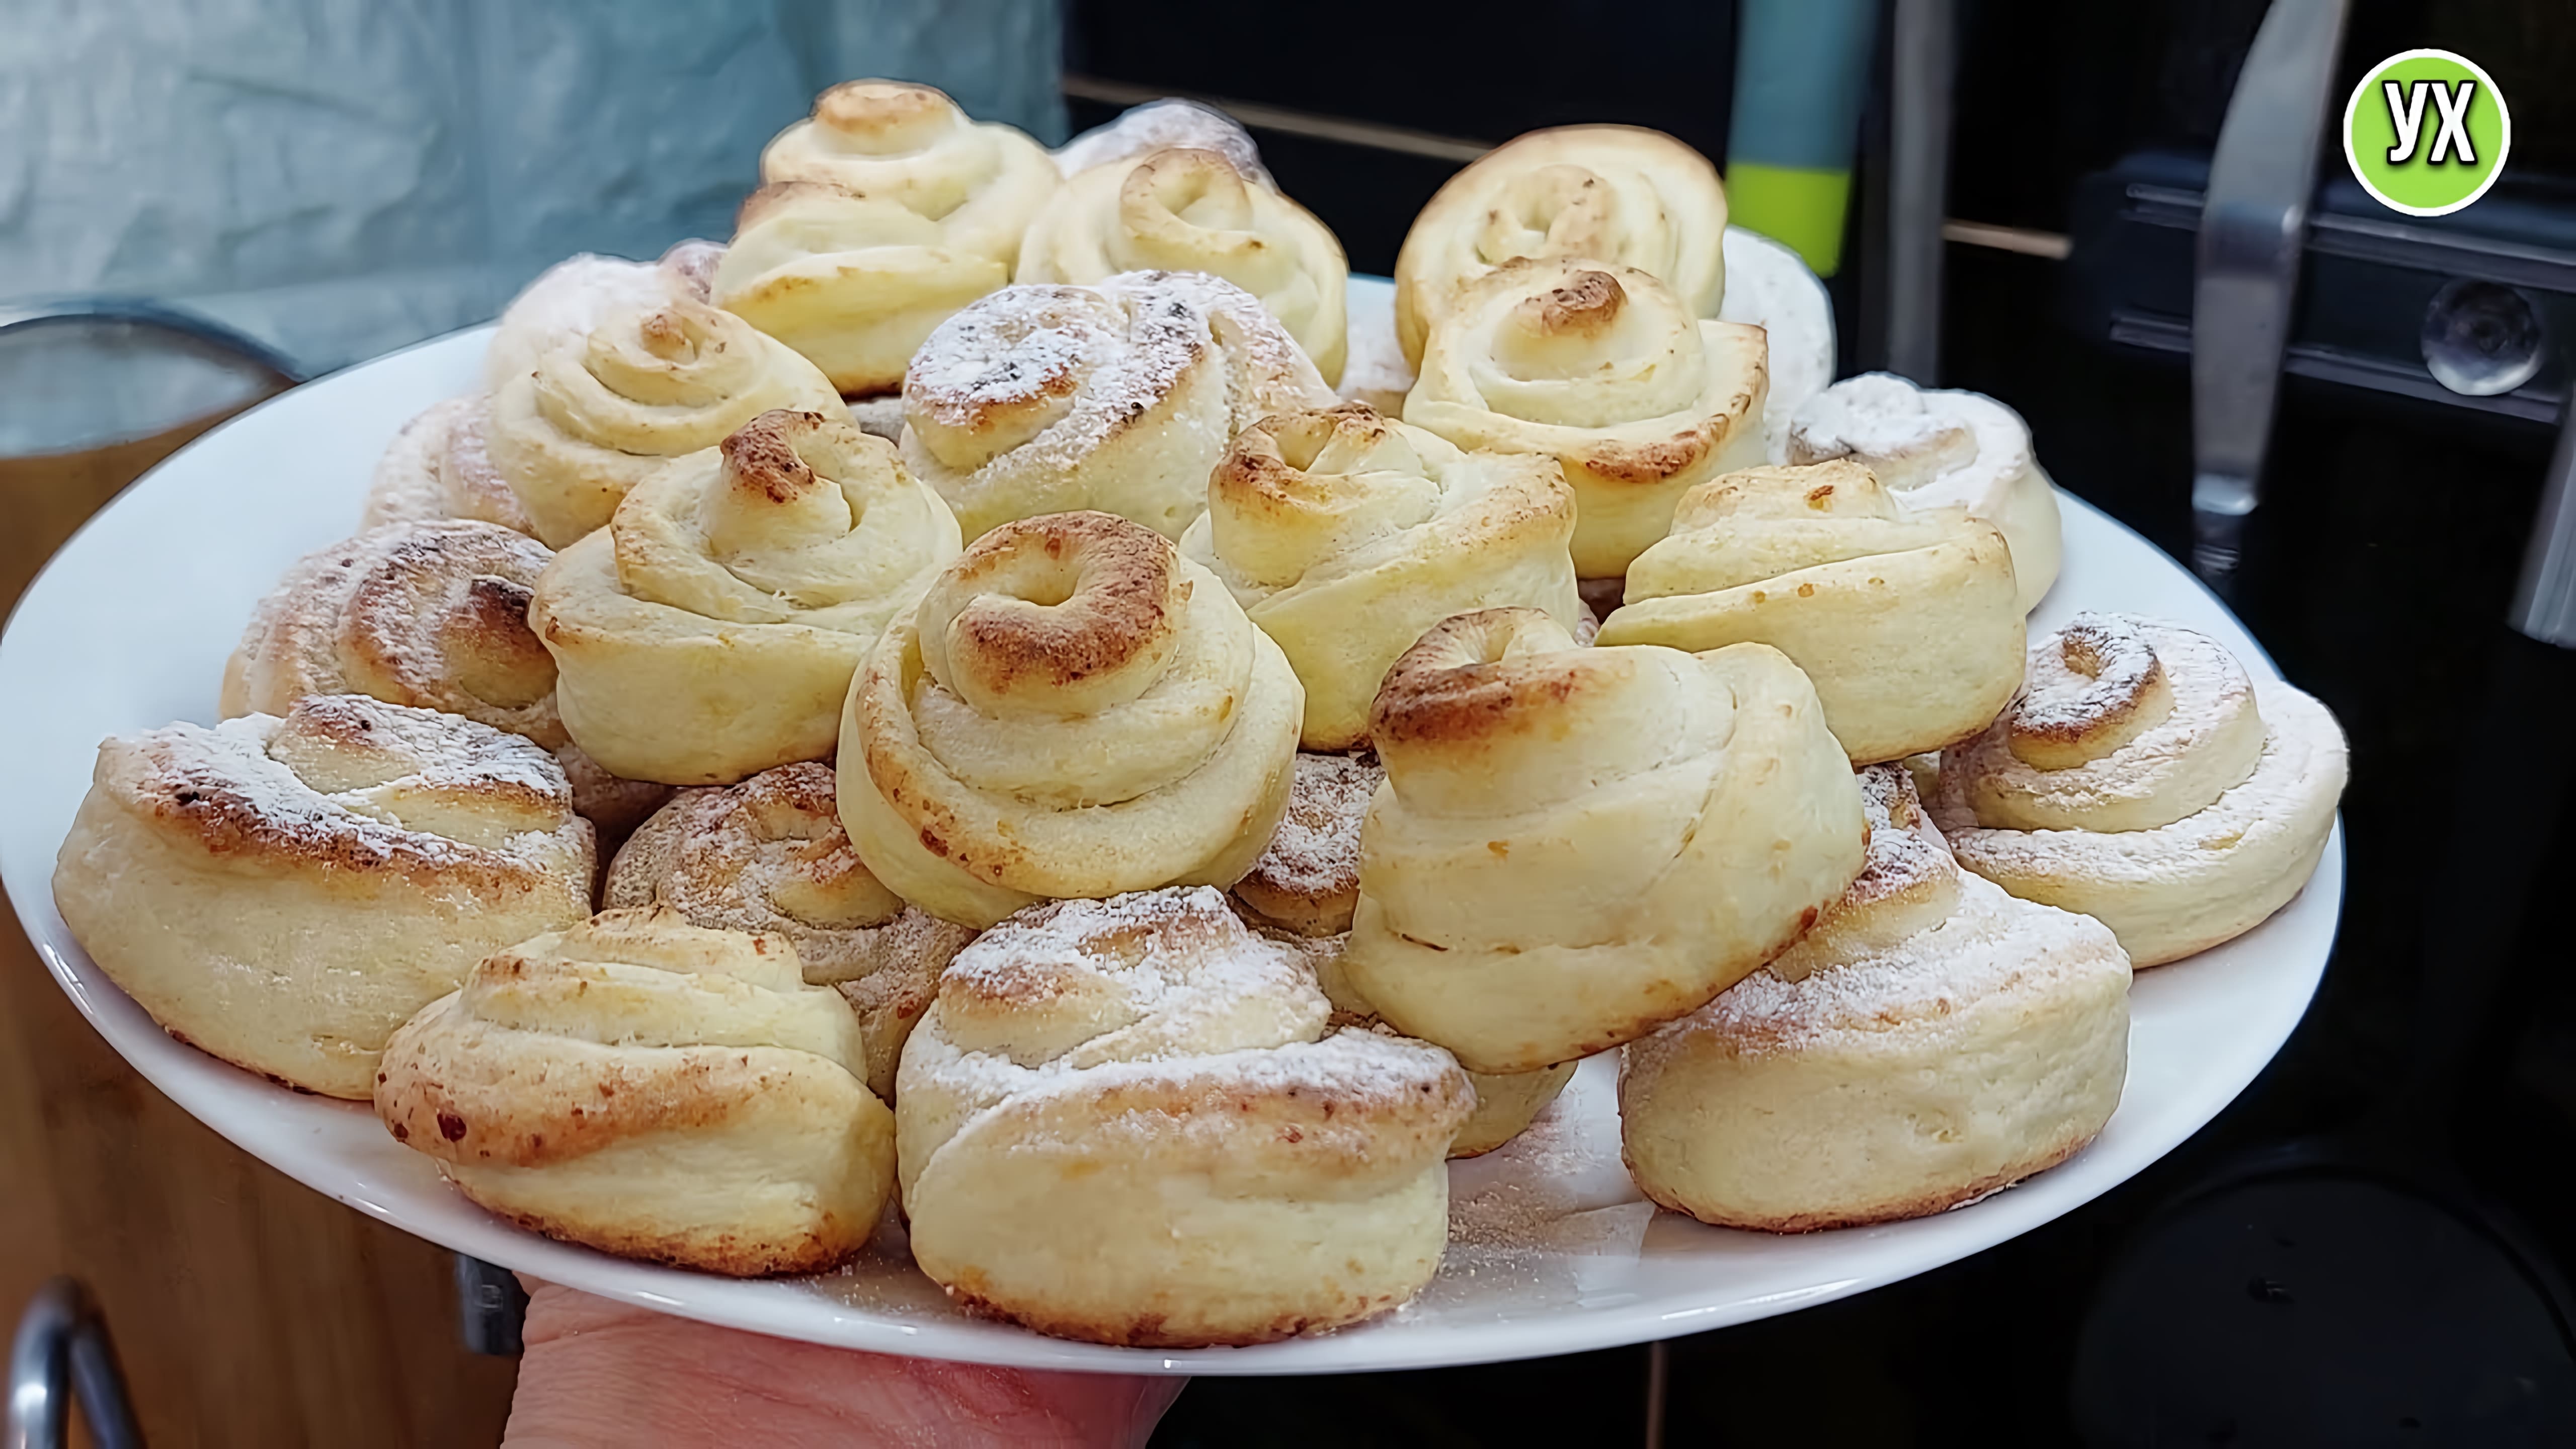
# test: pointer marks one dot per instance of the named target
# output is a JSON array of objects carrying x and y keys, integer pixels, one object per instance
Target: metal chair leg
[
  {"x": 491, "y": 1308},
  {"x": 62, "y": 1353}
]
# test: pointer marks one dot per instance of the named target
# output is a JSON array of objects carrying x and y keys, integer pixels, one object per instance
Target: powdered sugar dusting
[
  {"x": 1161, "y": 125},
  {"x": 1314, "y": 860}
]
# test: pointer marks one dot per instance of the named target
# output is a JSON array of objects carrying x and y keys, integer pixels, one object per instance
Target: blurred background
[{"x": 2369, "y": 1247}]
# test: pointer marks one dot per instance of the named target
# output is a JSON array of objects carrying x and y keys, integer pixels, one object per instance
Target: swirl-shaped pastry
[
  {"x": 1075, "y": 710},
  {"x": 853, "y": 282},
  {"x": 913, "y": 146},
  {"x": 283, "y": 893},
  {"x": 1307, "y": 881},
  {"x": 1161, "y": 126},
  {"x": 433, "y": 615},
  {"x": 440, "y": 466},
  {"x": 601, "y": 411},
  {"x": 1505, "y": 1105},
  {"x": 1119, "y": 397},
  {"x": 655, "y": 1090},
  {"x": 1905, "y": 623},
  {"x": 710, "y": 631},
  {"x": 1189, "y": 210},
  {"x": 769, "y": 855},
  {"x": 569, "y": 300},
  {"x": 1606, "y": 371},
  {"x": 1604, "y": 194},
  {"x": 2143, "y": 779},
  {"x": 1129, "y": 1121},
  {"x": 1576, "y": 845},
  {"x": 1930, "y": 1041},
  {"x": 1941, "y": 450},
  {"x": 1345, "y": 535}
]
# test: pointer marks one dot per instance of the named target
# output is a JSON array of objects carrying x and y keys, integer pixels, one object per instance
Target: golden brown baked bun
[
  {"x": 1307, "y": 882},
  {"x": 2144, "y": 780},
  {"x": 654, "y": 1090},
  {"x": 1160, "y": 126},
  {"x": 434, "y": 615},
  {"x": 599, "y": 412},
  {"x": 1936, "y": 449},
  {"x": 1129, "y": 1121},
  {"x": 1345, "y": 535},
  {"x": 769, "y": 855},
  {"x": 913, "y": 146},
  {"x": 1608, "y": 372},
  {"x": 1605, "y": 194},
  {"x": 1075, "y": 710},
  {"x": 440, "y": 466},
  {"x": 283, "y": 893},
  {"x": 569, "y": 300},
  {"x": 710, "y": 631},
  {"x": 1190, "y": 210},
  {"x": 1930, "y": 1041},
  {"x": 1905, "y": 623},
  {"x": 1119, "y": 397},
  {"x": 853, "y": 282},
  {"x": 1577, "y": 845}
]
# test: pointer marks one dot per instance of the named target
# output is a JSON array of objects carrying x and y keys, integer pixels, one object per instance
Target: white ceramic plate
[{"x": 1552, "y": 1250}]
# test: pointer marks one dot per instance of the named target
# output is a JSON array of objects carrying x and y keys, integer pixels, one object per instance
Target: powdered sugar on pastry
[{"x": 1308, "y": 881}]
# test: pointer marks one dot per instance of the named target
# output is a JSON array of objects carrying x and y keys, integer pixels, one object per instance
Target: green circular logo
[{"x": 2426, "y": 132}]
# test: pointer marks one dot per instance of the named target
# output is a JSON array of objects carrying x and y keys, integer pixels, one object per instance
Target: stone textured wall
[{"x": 341, "y": 177}]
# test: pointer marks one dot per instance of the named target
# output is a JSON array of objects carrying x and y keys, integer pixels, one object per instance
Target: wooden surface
[{"x": 248, "y": 1310}]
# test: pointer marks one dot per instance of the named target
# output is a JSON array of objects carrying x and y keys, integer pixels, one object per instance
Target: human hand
[{"x": 598, "y": 1374}]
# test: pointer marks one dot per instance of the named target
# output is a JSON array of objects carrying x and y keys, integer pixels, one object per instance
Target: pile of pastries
[{"x": 939, "y": 702}]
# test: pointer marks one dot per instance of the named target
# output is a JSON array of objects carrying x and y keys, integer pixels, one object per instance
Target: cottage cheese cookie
[
  {"x": 710, "y": 631},
  {"x": 1119, "y": 397},
  {"x": 1941, "y": 450},
  {"x": 1930, "y": 1041},
  {"x": 1608, "y": 372},
  {"x": 1577, "y": 845},
  {"x": 769, "y": 855},
  {"x": 2144, "y": 780},
  {"x": 1905, "y": 622},
  {"x": 1130, "y": 1121},
  {"x": 655, "y": 1090},
  {"x": 1346, "y": 535},
  {"x": 1075, "y": 710},
  {"x": 283, "y": 893}
]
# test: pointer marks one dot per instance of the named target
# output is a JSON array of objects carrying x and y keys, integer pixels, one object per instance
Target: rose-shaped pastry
[
  {"x": 569, "y": 300},
  {"x": 599, "y": 412},
  {"x": 1131, "y": 1121},
  {"x": 1604, "y": 194},
  {"x": 283, "y": 893},
  {"x": 912, "y": 145},
  {"x": 1119, "y": 397},
  {"x": 1930, "y": 1041},
  {"x": 1188, "y": 210},
  {"x": 1075, "y": 710},
  {"x": 440, "y": 466},
  {"x": 2144, "y": 780},
  {"x": 433, "y": 615},
  {"x": 1606, "y": 371},
  {"x": 1576, "y": 845},
  {"x": 1345, "y": 535},
  {"x": 655, "y": 1090},
  {"x": 1307, "y": 882},
  {"x": 853, "y": 282},
  {"x": 769, "y": 855},
  {"x": 710, "y": 631},
  {"x": 1905, "y": 622},
  {"x": 1941, "y": 450},
  {"x": 1160, "y": 126}
]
